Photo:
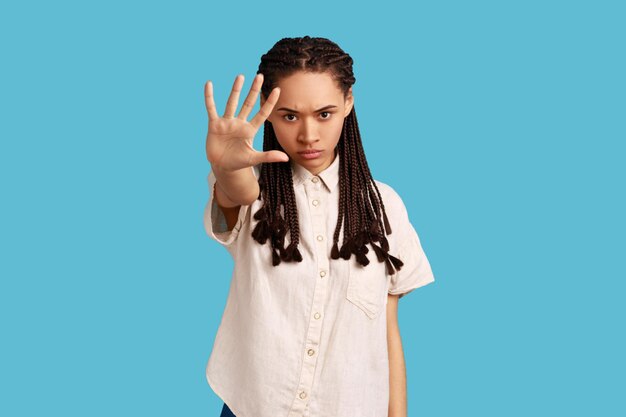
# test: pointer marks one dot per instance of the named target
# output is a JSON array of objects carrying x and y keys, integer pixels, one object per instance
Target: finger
[
  {"x": 266, "y": 108},
  {"x": 233, "y": 99},
  {"x": 268, "y": 156},
  {"x": 248, "y": 103},
  {"x": 208, "y": 101}
]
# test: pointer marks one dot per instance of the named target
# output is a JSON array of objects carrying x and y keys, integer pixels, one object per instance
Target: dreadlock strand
[{"x": 334, "y": 253}]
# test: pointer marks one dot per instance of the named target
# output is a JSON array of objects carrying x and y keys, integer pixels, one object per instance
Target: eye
[{"x": 293, "y": 115}]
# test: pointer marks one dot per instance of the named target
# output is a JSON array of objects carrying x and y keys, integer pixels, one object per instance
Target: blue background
[{"x": 500, "y": 123}]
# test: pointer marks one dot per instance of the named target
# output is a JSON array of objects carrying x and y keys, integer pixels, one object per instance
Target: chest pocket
[{"x": 368, "y": 285}]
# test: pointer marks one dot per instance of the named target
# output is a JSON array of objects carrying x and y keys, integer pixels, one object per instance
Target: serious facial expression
[{"x": 308, "y": 118}]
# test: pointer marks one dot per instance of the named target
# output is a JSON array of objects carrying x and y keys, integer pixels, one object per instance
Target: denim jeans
[{"x": 226, "y": 412}]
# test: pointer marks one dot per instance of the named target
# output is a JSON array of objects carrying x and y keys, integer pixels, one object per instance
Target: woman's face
[{"x": 309, "y": 117}]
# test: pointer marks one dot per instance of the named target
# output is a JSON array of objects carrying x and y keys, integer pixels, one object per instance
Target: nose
[{"x": 308, "y": 133}]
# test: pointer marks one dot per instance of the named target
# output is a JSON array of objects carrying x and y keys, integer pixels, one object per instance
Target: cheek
[
  {"x": 280, "y": 132},
  {"x": 335, "y": 129},
  {"x": 285, "y": 137}
]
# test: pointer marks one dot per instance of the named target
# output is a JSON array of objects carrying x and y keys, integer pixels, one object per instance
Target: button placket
[{"x": 313, "y": 336}]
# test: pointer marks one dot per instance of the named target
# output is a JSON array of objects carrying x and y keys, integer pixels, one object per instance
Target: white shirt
[{"x": 310, "y": 338}]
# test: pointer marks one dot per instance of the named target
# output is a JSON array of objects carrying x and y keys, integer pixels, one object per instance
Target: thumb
[{"x": 269, "y": 156}]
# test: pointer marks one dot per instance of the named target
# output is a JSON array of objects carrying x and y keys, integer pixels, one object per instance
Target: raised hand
[{"x": 229, "y": 139}]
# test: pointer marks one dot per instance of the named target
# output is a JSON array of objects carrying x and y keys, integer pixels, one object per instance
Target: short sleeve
[
  {"x": 215, "y": 221},
  {"x": 416, "y": 271}
]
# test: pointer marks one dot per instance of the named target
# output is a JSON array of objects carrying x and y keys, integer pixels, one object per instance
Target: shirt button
[
  {"x": 322, "y": 274},
  {"x": 311, "y": 352},
  {"x": 320, "y": 237},
  {"x": 303, "y": 395},
  {"x": 315, "y": 202},
  {"x": 317, "y": 316},
  {"x": 315, "y": 179}
]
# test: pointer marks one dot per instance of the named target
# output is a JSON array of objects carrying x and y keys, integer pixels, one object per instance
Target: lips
[{"x": 311, "y": 153}]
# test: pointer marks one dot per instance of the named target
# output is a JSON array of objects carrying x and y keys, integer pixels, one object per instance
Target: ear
[{"x": 349, "y": 103}]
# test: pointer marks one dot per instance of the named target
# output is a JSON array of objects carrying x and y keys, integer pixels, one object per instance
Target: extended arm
[
  {"x": 397, "y": 369},
  {"x": 229, "y": 146}
]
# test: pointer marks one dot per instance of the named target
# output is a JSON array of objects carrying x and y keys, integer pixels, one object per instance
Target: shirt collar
[{"x": 329, "y": 176}]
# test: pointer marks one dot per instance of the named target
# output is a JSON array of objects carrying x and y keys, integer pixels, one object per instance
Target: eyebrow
[{"x": 316, "y": 111}]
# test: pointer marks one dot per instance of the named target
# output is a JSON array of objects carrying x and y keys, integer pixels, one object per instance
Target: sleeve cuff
[
  {"x": 415, "y": 272},
  {"x": 214, "y": 220}
]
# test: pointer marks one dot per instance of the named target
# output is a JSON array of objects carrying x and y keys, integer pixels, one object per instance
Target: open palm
[{"x": 229, "y": 139}]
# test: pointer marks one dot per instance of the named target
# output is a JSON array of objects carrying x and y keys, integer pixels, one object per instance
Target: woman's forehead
[{"x": 308, "y": 91}]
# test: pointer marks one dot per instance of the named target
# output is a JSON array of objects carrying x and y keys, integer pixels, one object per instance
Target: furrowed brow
[{"x": 316, "y": 111}]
